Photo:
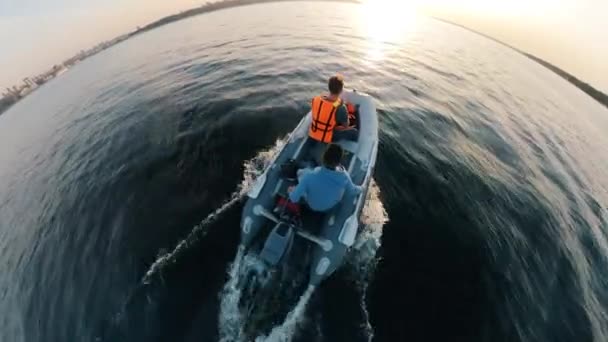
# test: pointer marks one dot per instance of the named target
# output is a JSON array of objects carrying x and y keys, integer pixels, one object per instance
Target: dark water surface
[{"x": 493, "y": 171}]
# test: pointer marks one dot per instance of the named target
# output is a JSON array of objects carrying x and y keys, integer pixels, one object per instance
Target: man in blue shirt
[{"x": 324, "y": 187}]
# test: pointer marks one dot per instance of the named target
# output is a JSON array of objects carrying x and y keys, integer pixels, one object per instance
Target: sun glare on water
[{"x": 384, "y": 22}]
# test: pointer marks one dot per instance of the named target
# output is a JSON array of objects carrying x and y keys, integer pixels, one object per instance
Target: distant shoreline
[
  {"x": 215, "y": 6},
  {"x": 585, "y": 87},
  {"x": 596, "y": 94}
]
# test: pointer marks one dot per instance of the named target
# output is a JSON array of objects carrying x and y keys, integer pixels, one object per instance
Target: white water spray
[
  {"x": 286, "y": 331},
  {"x": 231, "y": 321},
  {"x": 373, "y": 217},
  {"x": 196, "y": 233},
  {"x": 230, "y": 325},
  {"x": 363, "y": 263}
]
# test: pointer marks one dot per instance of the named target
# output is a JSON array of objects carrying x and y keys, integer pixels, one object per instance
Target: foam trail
[
  {"x": 230, "y": 323},
  {"x": 286, "y": 331},
  {"x": 374, "y": 217},
  {"x": 252, "y": 169},
  {"x": 367, "y": 326},
  {"x": 319, "y": 328},
  {"x": 194, "y": 236}
]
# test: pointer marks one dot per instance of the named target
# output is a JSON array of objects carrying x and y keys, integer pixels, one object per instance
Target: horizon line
[{"x": 225, "y": 4}]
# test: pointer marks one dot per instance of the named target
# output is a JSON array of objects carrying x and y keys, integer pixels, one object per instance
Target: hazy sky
[
  {"x": 572, "y": 34},
  {"x": 35, "y": 34}
]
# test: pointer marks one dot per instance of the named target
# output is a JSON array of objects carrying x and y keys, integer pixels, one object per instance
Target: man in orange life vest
[{"x": 330, "y": 116}]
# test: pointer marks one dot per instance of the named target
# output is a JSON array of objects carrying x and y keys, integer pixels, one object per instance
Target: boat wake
[
  {"x": 235, "y": 325},
  {"x": 197, "y": 233},
  {"x": 288, "y": 329},
  {"x": 232, "y": 322},
  {"x": 363, "y": 263},
  {"x": 252, "y": 169},
  {"x": 121, "y": 322}
]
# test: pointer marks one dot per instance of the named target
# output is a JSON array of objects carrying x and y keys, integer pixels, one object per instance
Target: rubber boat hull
[{"x": 336, "y": 231}]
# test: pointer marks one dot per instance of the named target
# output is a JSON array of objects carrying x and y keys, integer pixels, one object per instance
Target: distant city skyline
[{"x": 570, "y": 34}]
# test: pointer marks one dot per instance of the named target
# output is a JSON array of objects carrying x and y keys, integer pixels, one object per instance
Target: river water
[{"x": 121, "y": 183}]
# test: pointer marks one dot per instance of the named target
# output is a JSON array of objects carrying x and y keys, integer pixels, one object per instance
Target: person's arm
[
  {"x": 342, "y": 116},
  {"x": 351, "y": 187},
  {"x": 296, "y": 194}
]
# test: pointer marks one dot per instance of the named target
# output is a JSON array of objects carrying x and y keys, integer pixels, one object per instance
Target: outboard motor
[{"x": 278, "y": 244}]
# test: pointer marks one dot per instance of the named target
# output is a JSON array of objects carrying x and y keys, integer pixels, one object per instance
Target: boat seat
[{"x": 347, "y": 145}]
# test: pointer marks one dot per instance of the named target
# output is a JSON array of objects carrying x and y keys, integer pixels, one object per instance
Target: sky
[
  {"x": 36, "y": 34},
  {"x": 571, "y": 34}
]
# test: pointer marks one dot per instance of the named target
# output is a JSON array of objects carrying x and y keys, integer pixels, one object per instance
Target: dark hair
[
  {"x": 332, "y": 156},
  {"x": 335, "y": 85}
]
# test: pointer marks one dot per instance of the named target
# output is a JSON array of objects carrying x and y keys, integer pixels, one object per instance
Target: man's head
[
  {"x": 336, "y": 85},
  {"x": 332, "y": 156}
]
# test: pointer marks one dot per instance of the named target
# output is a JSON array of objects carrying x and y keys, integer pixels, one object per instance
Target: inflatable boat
[{"x": 321, "y": 239}]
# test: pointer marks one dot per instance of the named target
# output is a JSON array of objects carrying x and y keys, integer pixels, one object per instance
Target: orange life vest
[{"x": 323, "y": 119}]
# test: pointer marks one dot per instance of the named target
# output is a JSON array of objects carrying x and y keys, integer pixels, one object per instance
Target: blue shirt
[{"x": 323, "y": 188}]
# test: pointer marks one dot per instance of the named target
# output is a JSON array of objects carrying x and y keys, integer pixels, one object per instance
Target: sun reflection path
[{"x": 385, "y": 23}]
